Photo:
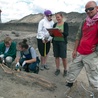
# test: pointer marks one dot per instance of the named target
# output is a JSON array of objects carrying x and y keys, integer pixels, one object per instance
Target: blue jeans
[{"x": 30, "y": 67}]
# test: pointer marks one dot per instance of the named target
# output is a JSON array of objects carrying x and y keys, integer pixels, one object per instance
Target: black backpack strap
[
  {"x": 54, "y": 25},
  {"x": 21, "y": 53},
  {"x": 30, "y": 50}
]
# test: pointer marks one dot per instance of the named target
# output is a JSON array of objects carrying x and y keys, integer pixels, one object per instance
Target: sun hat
[{"x": 47, "y": 12}]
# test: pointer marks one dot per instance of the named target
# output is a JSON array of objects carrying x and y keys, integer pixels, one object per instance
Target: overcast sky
[{"x": 17, "y": 9}]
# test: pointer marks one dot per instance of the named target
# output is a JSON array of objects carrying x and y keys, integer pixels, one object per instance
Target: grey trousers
[{"x": 90, "y": 62}]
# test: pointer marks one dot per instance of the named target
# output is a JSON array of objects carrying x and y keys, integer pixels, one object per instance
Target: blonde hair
[
  {"x": 7, "y": 40},
  {"x": 60, "y": 13}
]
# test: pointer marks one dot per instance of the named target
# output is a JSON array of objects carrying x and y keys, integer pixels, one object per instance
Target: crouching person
[
  {"x": 27, "y": 58},
  {"x": 7, "y": 51}
]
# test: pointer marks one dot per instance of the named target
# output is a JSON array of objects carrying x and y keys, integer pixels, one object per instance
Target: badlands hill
[
  {"x": 72, "y": 17},
  {"x": 30, "y": 23},
  {"x": 19, "y": 85}
]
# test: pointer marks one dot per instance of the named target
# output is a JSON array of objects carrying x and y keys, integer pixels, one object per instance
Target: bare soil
[{"x": 14, "y": 87}]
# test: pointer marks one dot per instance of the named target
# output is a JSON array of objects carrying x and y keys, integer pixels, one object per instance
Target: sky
[{"x": 17, "y": 9}]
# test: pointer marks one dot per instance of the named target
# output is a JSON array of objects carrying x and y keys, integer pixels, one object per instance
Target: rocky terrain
[{"x": 12, "y": 86}]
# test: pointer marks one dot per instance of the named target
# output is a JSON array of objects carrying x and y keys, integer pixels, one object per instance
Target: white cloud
[{"x": 17, "y": 9}]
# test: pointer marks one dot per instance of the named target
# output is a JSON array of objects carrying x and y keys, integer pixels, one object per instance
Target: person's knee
[
  {"x": 33, "y": 67},
  {"x": 8, "y": 59}
]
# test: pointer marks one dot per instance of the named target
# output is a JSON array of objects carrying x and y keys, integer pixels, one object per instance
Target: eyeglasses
[
  {"x": 89, "y": 9},
  {"x": 49, "y": 15}
]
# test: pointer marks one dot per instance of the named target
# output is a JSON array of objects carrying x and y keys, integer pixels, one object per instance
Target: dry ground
[{"x": 11, "y": 87}]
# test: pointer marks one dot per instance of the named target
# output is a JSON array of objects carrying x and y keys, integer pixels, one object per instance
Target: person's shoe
[
  {"x": 69, "y": 87},
  {"x": 37, "y": 70},
  {"x": 46, "y": 67},
  {"x": 57, "y": 72},
  {"x": 69, "y": 84},
  {"x": 41, "y": 67},
  {"x": 67, "y": 90},
  {"x": 27, "y": 70},
  {"x": 65, "y": 73}
]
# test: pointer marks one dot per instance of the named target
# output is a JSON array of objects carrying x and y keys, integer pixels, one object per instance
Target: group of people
[
  {"x": 26, "y": 58},
  {"x": 44, "y": 39},
  {"x": 85, "y": 52}
]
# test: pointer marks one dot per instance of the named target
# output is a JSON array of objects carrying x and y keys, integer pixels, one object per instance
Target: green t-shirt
[{"x": 59, "y": 38}]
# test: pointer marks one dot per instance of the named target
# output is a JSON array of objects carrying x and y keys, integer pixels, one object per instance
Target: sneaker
[
  {"x": 57, "y": 72},
  {"x": 46, "y": 67},
  {"x": 41, "y": 67},
  {"x": 65, "y": 73}
]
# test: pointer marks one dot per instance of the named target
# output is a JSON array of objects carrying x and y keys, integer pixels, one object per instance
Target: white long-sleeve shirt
[{"x": 42, "y": 29}]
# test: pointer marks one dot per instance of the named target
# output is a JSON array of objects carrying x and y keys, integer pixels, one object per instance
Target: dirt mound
[{"x": 45, "y": 84}]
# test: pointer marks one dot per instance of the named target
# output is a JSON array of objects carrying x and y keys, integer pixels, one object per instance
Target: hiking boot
[
  {"x": 41, "y": 67},
  {"x": 57, "y": 72},
  {"x": 69, "y": 88},
  {"x": 69, "y": 84},
  {"x": 65, "y": 73},
  {"x": 46, "y": 67}
]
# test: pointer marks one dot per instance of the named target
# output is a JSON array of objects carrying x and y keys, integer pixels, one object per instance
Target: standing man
[{"x": 85, "y": 54}]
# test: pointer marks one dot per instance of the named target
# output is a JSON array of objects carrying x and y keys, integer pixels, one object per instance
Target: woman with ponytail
[{"x": 27, "y": 58}]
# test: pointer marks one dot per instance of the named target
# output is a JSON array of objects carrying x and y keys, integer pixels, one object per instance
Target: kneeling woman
[{"x": 27, "y": 57}]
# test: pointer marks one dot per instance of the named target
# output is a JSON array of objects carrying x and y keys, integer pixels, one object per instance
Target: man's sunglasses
[
  {"x": 89, "y": 9},
  {"x": 49, "y": 15}
]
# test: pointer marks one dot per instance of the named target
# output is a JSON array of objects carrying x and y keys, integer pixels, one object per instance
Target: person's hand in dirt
[{"x": 17, "y": 66}]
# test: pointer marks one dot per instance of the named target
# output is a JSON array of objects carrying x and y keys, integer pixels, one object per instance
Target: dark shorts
[
  {"x": 60, "y": 49},
  {"x": 43, "y": 49}
]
